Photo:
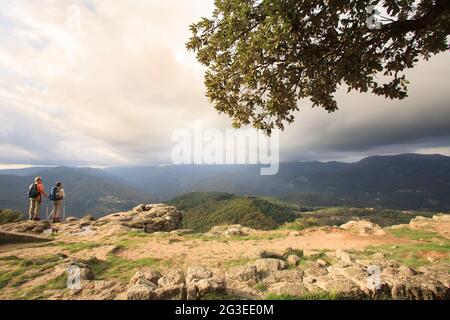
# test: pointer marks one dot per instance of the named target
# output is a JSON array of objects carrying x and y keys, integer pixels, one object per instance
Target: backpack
[
  {"x": 54, "y": 194},
  {"x": 33, "y": 192}
]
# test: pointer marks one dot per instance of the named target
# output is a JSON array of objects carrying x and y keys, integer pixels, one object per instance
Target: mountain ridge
[{"x": 404, "y": 181}]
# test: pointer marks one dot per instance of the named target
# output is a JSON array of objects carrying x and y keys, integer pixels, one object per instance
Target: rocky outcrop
[
  {"x": 14, "y": 237},
  {"x": 174, "y": 285},
  {"x": 149, "y": 218},
  {"x": 363, "y": 227},
  {"x": 229, "y": 231},
  {"x": 28, "y": 226},
  {"x": 344, "y": 277}
]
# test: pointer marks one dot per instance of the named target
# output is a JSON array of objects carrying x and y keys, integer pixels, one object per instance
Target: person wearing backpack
[
  {"x": 57, "y": 196},
  {"x": 35, "y": 193}
]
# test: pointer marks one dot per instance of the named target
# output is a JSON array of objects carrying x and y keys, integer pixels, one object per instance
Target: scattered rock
[
  {"x": 268, "y": 265},
  {"x": 81, "y": 270},
  {"x": 363, "y": 227},
  {"x": 198, "y": 273},
  {"x": 378, "y": 256},
  {"x": 169, "y": 292},
  {"x": 28, "y": 226},
  {"x": 181, "y": 231},
  {"x": 343, "y": 256},
  {"x": 210, "y": 285},
  {"x": 292, "y": 260},
  {"x": 309, "y": 280},
  {"x": 139, "y": 208},
  {"x": 229, "y": 231},
  {"x": 441, "y": 217},
  {"x": 315, "y": 271},
  {"x": 139, "y": 292},
  {"x": 174, "y": 277},
  {"x": 243, "y": 273},
  {"x": 288, "y": 288},
  {"x": 344, "y": 288},
  {"x": 406, "y": 271},
  {"x": 294, "y": 276},
  {"x": 322, "y": 263},
  {"x": 14, "y": 237},
  {"x": 263, "y": 254},
  {"x": 149, "y": 275}
]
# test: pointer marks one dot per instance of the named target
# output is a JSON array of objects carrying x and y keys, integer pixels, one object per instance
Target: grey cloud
[{"x": 115, "y": 90}]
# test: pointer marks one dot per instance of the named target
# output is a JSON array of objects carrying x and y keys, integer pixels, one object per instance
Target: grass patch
[
  {"x": 115, "y": 267},
  {"x": 38, "y": 292},
  {"x": 10, "y": 258},
  {"x": 255, "y": 237},
  {"x": 7, "y": 276},
  {"x": 413, "y": 255},
  {"x": 139, "y": 234},
  {"x": 413, "y": 234},
  {"x": 79, "y": 246},
  {"x": 236, "y": 262},
  {"x": 260, "y": 287},
  {"x": 301, "y": 224},
  {"x": 19, "y": 270}
]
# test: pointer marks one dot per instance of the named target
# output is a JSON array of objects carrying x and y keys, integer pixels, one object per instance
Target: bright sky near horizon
[{"x": 106, "y": 82}]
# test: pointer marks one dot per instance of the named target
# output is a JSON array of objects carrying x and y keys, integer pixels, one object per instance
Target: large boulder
[
  {"x": 344, "y": 288},
  {"x": 172, "y": 278},
  {"x": 28, "y": 226},
  {"x": 169, "y": 292},
  {"x": 292, "y": 276},
  {"x": 288, "y": 288},
  {"x": 140, "y": 292},
  {"x": 149, "y": 218},
  {"x": 198, "y": 273},
  {"x": 268, "y": 265},
  {"x": 149, "y": 275},
  {"x": 292, "y": 260},
  {"x": 79, "y": 270},
  {"x": 229, "y": 231},
  {"x": 198, "y": 288},
  {"x": 363, "y": 227},
  {"x": 14, "y": 237},
  {"x": 343, "y": 256},
  {"x": 243, "y": 273},
  {"x": 441, "y": 217}
]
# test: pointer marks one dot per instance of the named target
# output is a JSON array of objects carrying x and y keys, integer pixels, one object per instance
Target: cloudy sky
[{"x": 102, "y": 82}]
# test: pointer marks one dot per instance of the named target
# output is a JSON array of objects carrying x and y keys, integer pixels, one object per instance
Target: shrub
[
  {"x": 8, "y": 215},
  {"x": 301, "y": 223}
]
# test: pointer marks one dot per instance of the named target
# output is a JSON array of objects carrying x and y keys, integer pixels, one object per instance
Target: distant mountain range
[{"x": 407, "y": 181}]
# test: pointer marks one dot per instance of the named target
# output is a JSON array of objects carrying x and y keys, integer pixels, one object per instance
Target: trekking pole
[
  {"x": 48, "y": 215},
  {"x": 64, "y": 210}
]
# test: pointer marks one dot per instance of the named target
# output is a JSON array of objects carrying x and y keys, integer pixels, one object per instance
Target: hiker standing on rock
[
  {"x": 57, "y": 196},
  {"x": 35, "y": 193}
]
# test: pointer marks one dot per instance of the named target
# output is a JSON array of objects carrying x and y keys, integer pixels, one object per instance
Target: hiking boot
[
  {"x": 56, "y": 220},
  {"x": 37, "y": 219}
]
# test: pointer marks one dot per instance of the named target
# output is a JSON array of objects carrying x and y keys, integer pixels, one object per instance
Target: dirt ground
[{"x": 190, "y": 250}]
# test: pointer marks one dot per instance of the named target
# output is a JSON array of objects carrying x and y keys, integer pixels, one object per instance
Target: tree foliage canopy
[{"x": 263, "y": 56}]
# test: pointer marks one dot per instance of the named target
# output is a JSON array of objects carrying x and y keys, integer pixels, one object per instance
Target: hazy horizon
[{"x": 24, "y": 166}]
